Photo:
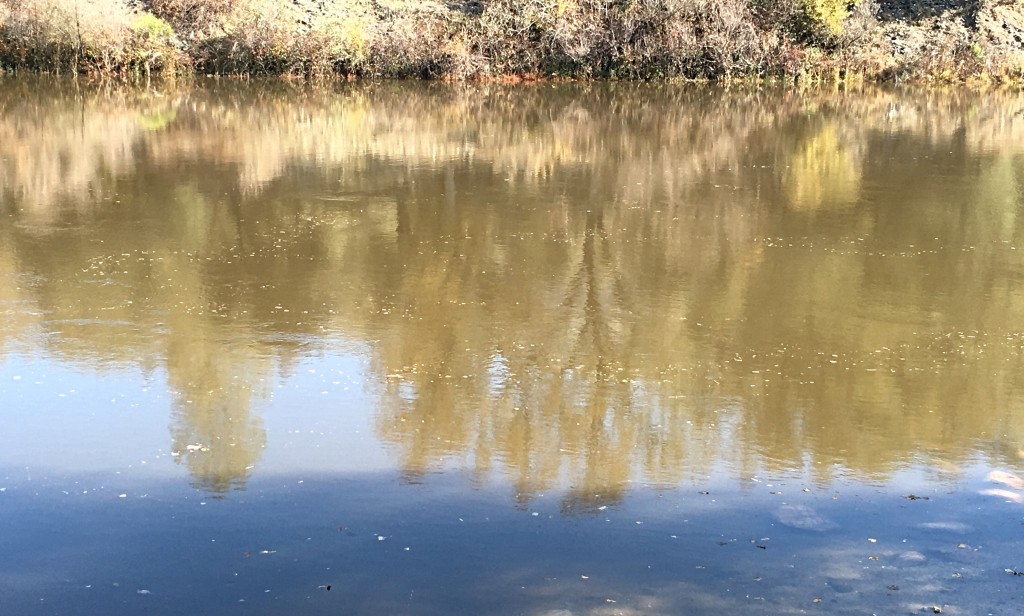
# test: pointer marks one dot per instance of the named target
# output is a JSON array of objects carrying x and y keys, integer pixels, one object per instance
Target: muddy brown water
[{"x": 549, "y": 349}]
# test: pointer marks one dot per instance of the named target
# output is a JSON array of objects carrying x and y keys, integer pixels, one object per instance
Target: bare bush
[
  {"x": 269, "y": 36},
  {"x": 192, "y": 18},
  {"x": 107, "y": 36},
  {"x": 642, "y": 38},
  {"x": 429, "y": 42}
]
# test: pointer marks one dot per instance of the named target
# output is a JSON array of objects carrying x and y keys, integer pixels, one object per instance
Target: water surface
[{"x": 554, "y": 349}]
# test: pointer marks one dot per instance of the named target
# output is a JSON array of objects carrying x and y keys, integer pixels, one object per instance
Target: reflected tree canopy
[{"x": 581, "y": 284}]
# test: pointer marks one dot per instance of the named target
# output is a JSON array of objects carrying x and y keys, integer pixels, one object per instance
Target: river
[{"x": 545, "y": 349}]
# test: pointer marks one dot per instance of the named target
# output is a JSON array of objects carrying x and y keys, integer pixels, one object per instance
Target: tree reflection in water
[{"x": 568, "y": 285}]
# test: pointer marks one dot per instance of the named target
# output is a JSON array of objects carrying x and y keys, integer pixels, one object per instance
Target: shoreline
[{"x": 511, "y": 41}]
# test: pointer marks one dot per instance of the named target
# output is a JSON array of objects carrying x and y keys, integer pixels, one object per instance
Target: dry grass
[
  {"x": 645, "y": 38},
  {"x": 702, "y": 39},
  {"x": 107, "y": 36}
]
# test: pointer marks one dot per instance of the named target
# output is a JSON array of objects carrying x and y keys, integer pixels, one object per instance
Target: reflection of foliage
[
  {"x": 822, "y": 172},
  {"x": 157, "y": 120},
  {"x": 591, "y": 284}
]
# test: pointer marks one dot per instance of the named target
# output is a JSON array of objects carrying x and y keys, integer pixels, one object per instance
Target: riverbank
[{"x": 810, "y": 40}]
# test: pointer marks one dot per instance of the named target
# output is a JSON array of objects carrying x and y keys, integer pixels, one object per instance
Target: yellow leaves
[
  {"x": 826, "y": 16},
  {"x": 563, "y": 7},
  {"x": 822, "y": 173}
]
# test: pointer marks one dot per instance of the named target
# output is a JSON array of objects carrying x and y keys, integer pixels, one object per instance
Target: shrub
[
  {"x": 824, "y": 20},
  {"x": 631, "y": 38},
  {"x": 108, "y": 36},
  {"x": 54, "y": 35},
  {"x": 425, "y": 42},
  {"x": 462, "y": 39},
  {"x": 150, "y": 27},
  {"x": 517, "y": 35},
  {"x": 155, "y": 45},
  {"x": 271, "y": 36}
]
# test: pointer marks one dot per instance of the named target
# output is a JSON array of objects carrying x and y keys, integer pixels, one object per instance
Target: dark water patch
[{"x": 384, "y": 546}]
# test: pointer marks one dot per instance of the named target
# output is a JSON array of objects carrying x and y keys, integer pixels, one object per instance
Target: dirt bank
[{"x": 946, "y": 39}]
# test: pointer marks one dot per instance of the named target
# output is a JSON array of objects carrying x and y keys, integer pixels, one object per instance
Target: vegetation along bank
[{"x": 910, "y": 40}]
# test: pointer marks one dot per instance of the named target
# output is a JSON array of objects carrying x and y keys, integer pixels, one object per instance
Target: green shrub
[
  {"x": 150, "y": 27},
  {"x": 155, "y": 46}
]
